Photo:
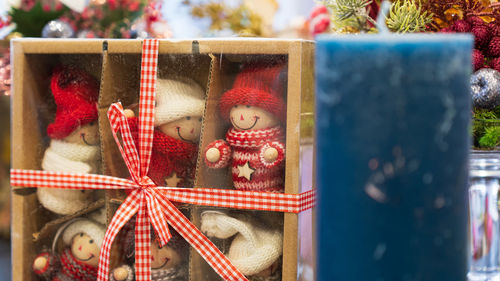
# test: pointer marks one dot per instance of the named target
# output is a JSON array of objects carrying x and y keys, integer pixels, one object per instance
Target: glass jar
[{"x": 483, "y": 216}]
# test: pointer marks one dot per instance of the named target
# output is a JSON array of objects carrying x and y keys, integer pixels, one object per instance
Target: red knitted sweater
[
  {"x": 169, "y": 156},
  {"x": 245, "y": 150},
  {"x": 66, "y": 267}
]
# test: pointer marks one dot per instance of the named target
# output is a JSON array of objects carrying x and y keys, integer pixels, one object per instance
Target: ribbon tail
[
  {"x": 119, "y": 123},
  {"x": 149, "y": 67},
  {"x": 142, "y": 242},
  {"x": 212, "y": 255},
  {"x": 122, "y": 215},
  {"x": 307, "y": 200},
  {"x": 239, "y": 199},
  {"x": 158, "y": 220}
]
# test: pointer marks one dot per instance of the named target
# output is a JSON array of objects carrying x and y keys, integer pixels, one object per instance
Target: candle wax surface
[{"x": 392, "y": 121}]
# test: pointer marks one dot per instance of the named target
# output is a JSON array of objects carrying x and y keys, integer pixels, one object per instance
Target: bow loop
[{"x": 128, "y": 150}]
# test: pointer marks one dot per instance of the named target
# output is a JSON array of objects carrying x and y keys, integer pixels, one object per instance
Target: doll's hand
[
  {"x": 120, "y": 273},
  {"x": 129, "y": 113},
  {"x": 212, "y": 155},
  {"x": 40, "y": 263},
  {"x": 270, "y": 154},
  {"x": 217, "y": 154}
]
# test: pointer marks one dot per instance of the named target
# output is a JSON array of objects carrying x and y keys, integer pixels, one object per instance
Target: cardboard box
[{"x": 213, "y": 64}]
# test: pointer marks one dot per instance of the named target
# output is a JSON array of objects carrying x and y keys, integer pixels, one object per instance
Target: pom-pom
[
  {"x": 477, "y": 59},
  {"x": 494, "y": 47},
  {"x": 482, "y": 36},
  {"x": 461, "y": 26}
]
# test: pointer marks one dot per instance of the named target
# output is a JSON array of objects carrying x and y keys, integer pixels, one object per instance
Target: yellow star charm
[
  {"x": 173, "y": 180},
  {"x": 245, "y": 171}
]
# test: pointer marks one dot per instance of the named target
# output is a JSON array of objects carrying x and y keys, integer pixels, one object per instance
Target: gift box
[{"x": 232, "y": 118}]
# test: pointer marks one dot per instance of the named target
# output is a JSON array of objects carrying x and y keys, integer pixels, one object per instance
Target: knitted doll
[
  {"x": 255, "y": 145},
  {"x": 255, "y": 250},
  {"x": 74, "y": 145},
  {"x": 180, "y": 103},
  {"x": 80, "y": 259},
  {"x": 168, "y": 263}
]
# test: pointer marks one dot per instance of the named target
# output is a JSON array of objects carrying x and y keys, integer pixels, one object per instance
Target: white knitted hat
[
  {"x": 178, "y": 97},
  {"x": 253, "y": 249},
  {"x": 95, "y": 230}
]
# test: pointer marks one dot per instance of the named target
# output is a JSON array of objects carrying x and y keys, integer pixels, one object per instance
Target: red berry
[
  {"x": 494, "y": 47},
  {"x": 477, "y": 59},
  {"x": 475, "y": 21},
  {"x": 494, "y": 29},
  {"x": 495, "y": 64},
  {"x": 447, "y": 30},
  {"x": 482, "y": 36},
  {"x": 461, "y": 26}
]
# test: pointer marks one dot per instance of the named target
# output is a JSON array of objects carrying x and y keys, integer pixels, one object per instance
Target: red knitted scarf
[
  {"x": 76, "y": 269},
  {"x": 173, "y": 148},
  {"x": 254, "y": 138}
]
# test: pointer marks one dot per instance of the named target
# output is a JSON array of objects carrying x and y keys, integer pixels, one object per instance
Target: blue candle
[{"x": 393, "y": 116}]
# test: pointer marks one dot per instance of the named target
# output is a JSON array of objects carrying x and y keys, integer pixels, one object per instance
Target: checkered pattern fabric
[{"x": 151, "y": 203}]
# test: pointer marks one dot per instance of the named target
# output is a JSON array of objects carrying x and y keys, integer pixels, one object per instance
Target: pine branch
[
  {"x": 406, "y": 16},
  {"x": 350, "y": 13}
]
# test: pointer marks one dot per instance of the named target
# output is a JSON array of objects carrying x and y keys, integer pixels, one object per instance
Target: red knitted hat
[
  {"x": 262, "y": 86},
  {"x": 75, "y": 93}
]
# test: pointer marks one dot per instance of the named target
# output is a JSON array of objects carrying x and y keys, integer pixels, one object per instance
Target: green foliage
[
  {"x": 406, "y": 17},
  {"x": 30, "y": 23},
  {"x": 486, "y": 128},
  {"x": 350, "y": 14},
  {"x": 491, "y": 137}
]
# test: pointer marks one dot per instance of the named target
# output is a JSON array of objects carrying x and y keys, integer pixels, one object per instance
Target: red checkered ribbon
[{"x": 152, "y": 203}]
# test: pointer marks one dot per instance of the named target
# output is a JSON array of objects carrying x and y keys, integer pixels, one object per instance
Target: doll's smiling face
[
  {"x": 86, "y": 135},
  {"x": 164, "y": 258},
  {"x": 85, "y": 249},
  {"x": 185, "y": 129},
  {"x": 246, "y": 117}
]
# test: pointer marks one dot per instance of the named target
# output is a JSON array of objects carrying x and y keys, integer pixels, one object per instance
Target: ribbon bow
[
  {"x": 151, "y": 206},
  {"x": 152, "y": 203}
]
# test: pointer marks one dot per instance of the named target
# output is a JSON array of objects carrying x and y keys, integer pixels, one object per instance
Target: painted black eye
[
  {"x": 81, "y": 234},
  {"x": 91, "y": 241},
  {"x": 199, "y": 119},
  {"x": 236, "y": 106},
  {"x": 156, "y": 104},
  {"x": 248, "y": 106},
  {"x": 82, "y": 191},
  {"x": 188, "y": 117}
]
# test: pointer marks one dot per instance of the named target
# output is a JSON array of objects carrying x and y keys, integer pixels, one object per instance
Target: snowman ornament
[
  {"x": 179, "y": 107},
  {"x": 74, "y": 145},
  {"x": 80, "y": 258},
  {"x": 168, "y": 263},
  {"x": 254, "y": 146}
]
